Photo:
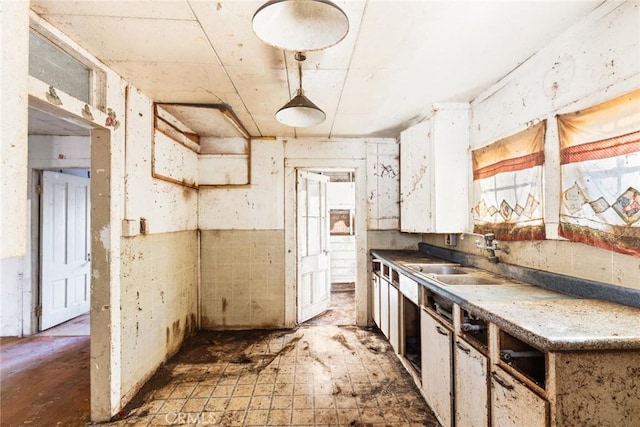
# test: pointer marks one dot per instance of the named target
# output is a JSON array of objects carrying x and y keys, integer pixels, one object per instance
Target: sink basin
[
  {"x": 436, "y": 268},
  {"x": 467, "y": 279}
]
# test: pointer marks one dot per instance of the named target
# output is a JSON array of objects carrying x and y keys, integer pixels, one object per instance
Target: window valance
[
  {"x": 600, "y": 170},
  {"x": 507, "y": 179}
]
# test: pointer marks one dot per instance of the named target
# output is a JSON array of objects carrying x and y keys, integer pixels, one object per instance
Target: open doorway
[
  {"x": 64, "y": 248},
  {"x": 56, "y": 309},
  {"x": 326, "y": 226},
  {"x": 59, "y": 161}
]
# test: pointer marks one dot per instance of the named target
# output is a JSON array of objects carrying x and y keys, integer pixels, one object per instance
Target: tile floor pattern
[{"x": 310, "y": 376}]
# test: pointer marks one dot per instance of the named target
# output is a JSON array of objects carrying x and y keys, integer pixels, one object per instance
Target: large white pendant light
[
  {"x": 300, "y": 25},
  {"x": 300, "y": 112}
]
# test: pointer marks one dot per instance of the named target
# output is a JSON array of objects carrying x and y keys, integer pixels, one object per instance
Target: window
[{"x": 52, "y": 65}]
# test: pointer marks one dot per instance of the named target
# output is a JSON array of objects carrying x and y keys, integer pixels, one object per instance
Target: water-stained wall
[
  {"x": 159, "y": 293},
  {"x": 594, "y": 61},
  {"x": 158, "y": 254},
  {"x": 14, "y": 19},
  {"x": 14, "y": 33},
  {"x": 248, "y": 241}
]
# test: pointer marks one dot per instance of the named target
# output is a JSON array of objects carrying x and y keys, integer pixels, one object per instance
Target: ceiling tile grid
[{"x": 398, "y": 59}]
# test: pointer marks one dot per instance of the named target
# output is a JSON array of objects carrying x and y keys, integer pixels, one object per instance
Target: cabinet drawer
[
  {"x": 513, "y": 404},
  {"x": 409, "y": 289}
]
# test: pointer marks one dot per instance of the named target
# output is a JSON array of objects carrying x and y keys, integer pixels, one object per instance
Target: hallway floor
[
  {"x": 44, "y": 379},
  {"x": 342, "y": 310},
  {"x": 322, "y": 375}
]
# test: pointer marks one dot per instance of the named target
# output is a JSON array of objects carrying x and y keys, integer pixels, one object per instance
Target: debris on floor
[{"x": 309, "y": 376}]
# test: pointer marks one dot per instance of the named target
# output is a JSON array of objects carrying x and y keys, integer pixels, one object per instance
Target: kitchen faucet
[{"x": 491, "y": 245}]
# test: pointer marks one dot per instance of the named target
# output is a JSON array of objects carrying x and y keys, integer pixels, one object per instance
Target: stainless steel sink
[
  {"x": 447, "y": 269},
  {"x": 455, "y": 275}
]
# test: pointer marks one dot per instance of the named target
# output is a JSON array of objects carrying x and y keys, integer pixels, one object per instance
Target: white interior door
[
  {"x": 314, "y": 278},
  {"x": 65, "y": 248}
]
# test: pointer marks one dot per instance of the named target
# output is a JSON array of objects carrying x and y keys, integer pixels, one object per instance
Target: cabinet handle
[
  {"x": 441, "y": 331},
  {"x": 463, "y": 348},
  {"x": 500, "y": 381}
]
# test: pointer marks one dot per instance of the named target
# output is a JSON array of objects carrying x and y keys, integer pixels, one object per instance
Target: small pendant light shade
[
  {"x": 300, "y": 25},
  {"x": 300, "y": 112}
]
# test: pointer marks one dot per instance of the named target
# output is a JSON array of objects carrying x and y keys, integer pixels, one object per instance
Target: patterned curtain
[
  {"x": 507, "y": 179},
  {"x": 600, "y": 168}
]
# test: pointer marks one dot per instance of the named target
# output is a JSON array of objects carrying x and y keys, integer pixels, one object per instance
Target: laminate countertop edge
[{"x": 547, "y": 319}]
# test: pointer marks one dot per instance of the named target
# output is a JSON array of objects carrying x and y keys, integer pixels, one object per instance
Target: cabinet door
[
  {"x": 451, "y": 169},
  {"x": 384, "y": 307},
  {"x": 394, "y": 318},
  {"x": 513, "y": 404},
  {"x": 434, "y": 172},
  {"x": 436, "y": 367},
  {"x": 471, "y": 388},
  {"x": 376, "y": 299},
  {"x": 415, "y": 178}
]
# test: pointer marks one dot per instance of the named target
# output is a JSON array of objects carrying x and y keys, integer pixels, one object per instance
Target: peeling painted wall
[
  {"x": 121, "y": 188},
  {"x": 595, "y": 60},
  {"x": 244, "y": 252},
  {"x": 15, "y": 290},
  {"x": 159, "y": 269},
  {"x": 383, "y": 185},
  {"x": 165, "y": 206},
  {"x": 255, "y": 206},
  {"x": 52, "y": 151},
  {"x": 14, "y": 46},
  {"x": 242, "y": 279},
  {"x": 159, "y": 294}
]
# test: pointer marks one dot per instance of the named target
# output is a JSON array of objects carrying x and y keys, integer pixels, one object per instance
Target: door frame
[
  {"x": 107, "y": 155},
  {"x": 358, "y": 167}
]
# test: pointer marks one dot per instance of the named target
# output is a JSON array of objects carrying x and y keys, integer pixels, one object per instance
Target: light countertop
[{"x": 549, "y": 320}]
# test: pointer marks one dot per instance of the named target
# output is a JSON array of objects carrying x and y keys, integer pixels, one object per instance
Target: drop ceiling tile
[
  {"x": 249, "y": 124},
  {"x": 137, "y": 39},
  {"x": 167, "y": 81},
  {"x": 356, "y": 125},
  {"x": 323, "y": 128},
  {"x": 132, "y": 8},
  {"x": 263, "y": 91},
  {"x": 228, "y": 26},
  {"x": 270, "y": 127},
  {"x": 402, "y": 56}
]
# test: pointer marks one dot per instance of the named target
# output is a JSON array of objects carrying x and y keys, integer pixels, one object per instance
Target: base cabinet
[
  {"x": 376, "y": 299},
  {"x": 471, "y": 395},
  {"x": 475, "y": 373},
  {"x": 513, "y": 404},
  {"x": 394, "y": 318},
  {"x": 436, "y": 366},
  {"x": 384, "y": 307}
]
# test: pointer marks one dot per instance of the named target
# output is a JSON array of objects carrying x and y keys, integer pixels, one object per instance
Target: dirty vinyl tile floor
[{"x": 311, "y": 376}]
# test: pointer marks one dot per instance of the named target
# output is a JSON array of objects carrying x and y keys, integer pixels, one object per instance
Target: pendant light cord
[{"x": 299, "y": 57}]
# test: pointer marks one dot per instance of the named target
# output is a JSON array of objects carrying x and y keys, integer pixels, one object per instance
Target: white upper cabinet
[{"x": 435, "y": 170}]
